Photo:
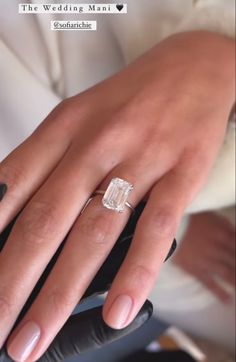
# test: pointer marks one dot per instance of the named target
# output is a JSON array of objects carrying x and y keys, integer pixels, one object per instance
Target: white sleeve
[
  {"x": 217, "y": 16},
  {"x": 219, "y": 191}
]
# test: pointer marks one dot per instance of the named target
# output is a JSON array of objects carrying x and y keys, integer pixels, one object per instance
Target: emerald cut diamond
[{"x": 117, "y": 194}]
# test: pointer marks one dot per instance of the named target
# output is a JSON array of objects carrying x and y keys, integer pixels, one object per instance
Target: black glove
[
  {"x": 85, "y": 331},
  {"x": 92, "y": 332}
]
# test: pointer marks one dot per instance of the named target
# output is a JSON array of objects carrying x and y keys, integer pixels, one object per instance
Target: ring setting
[{"x": 116, "y": 195}]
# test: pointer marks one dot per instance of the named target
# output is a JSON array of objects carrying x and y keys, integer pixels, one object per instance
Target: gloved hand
[{"x": 87, "y": 330}]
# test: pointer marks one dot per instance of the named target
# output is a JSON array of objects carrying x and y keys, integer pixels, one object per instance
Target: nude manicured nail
[
  {"x": 119, "y": 311},
  {"x": 24, "y": 342},
  {"x": 3, "y": 190}
]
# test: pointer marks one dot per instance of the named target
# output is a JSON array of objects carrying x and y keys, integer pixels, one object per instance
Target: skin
[
  {"x": 207, "y": 251},
  {"x": 158, "y": 124}
]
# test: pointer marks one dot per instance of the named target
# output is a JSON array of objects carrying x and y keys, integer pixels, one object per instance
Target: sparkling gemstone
[{"x": 117, "y": 194}]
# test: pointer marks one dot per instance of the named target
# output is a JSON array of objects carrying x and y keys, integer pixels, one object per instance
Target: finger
[
  {"x": 104, "y": 277},
  {"x": 25, "y": 169},
  {"x": 110, "y": 267},
  {"x": 87, "y": 331},
  {"x": 40, "y": 229},
  {"x": 155, "y": 230},
  {"x": 107, "y": 272}
]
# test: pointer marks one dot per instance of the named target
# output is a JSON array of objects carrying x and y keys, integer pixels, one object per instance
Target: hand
[
  {"x": 207, "y": 251},
  {"x": 83, "y": 331},
  {"x": 87, "y": 330},
  {"x": 158, "y": 124}
]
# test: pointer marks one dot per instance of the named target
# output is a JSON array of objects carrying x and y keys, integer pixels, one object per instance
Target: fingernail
[
  {"x": 3, "y": 190},
  {"x": 119, "y": 311},
  {"x": 24, "y": 342}
]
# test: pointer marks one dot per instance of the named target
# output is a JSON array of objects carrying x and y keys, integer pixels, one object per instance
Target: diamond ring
[{"x": 116, "y": 195}]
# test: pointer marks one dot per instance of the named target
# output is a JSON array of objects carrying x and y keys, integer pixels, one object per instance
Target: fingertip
[
  {"x": 144, "y": 314},
  {"x": 118, "y": 314}
]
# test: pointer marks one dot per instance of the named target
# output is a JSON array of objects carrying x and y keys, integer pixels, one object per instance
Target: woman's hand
[
  {"x": 159, "y": 125},
  {"x": 207, "y": 251},
  {"x": 87, "y": 331}
]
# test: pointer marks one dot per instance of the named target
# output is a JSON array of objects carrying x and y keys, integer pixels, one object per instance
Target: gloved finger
[{"x": 87, "y": 331}]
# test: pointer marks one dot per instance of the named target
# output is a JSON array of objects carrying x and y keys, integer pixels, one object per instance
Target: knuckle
[
  {"x": 67, "y": 114},
  {"x": 13, "y": 175},
  {"x": 76, "y": 104},
  {"x": 61, "y": 115},
  {"x": 163, "y": 222},
  {"x": 65, "y": 103},
  {"x": 129, "y": 111},
  {"x": 59, "y": 301},
  {"x": 141, "y": 276},
  {"x": 197, "y": 160},
  {"x": 37, "y": 224},
  {"x": 60, "y": 110},
  {"x": 115, "y": 127},
  {"x": 96, "y": 229}
]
